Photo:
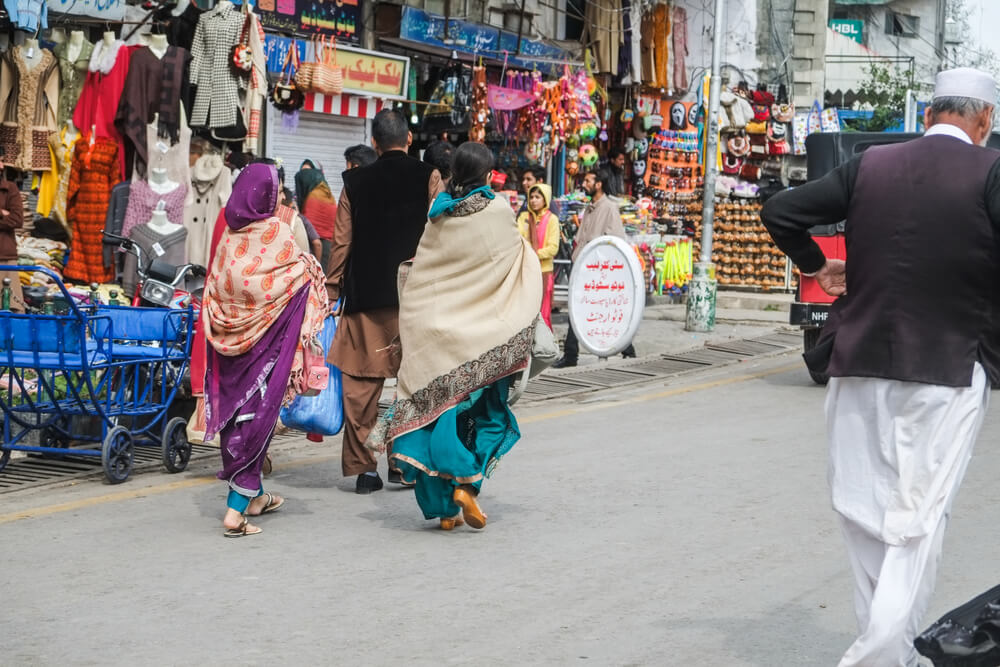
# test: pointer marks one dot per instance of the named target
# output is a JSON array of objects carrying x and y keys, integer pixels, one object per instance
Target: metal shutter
[{"x": 321, "y": 137}]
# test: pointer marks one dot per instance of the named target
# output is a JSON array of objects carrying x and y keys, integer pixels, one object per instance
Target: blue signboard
[{"x": 478, "y": 39}]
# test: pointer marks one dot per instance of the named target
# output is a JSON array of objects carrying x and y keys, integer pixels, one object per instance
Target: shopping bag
[
  {"x": 323, "y": 413},
  {"x": 967, "y": 636}
]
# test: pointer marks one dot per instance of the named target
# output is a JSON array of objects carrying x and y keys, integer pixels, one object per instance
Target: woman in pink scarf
[{"x": 264, "y": 306}]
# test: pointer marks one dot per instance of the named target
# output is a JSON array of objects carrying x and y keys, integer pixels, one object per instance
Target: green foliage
[{"x": 885, "y": 90}]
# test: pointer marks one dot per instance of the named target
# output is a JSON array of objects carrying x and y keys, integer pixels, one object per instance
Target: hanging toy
[
  {"x": 639, "y": 168},
  {"x": 572, "y": 154},
  {"x": 604, "y": 124},
  {"x": 573, "y": 141},
  {"x": 588, "y": 131},
  {"x": 572, "y": 167},
  {"x": 533, "y": 152},
  {"x": 643, "y": 146},
  {"x": 588, "y": 155}
]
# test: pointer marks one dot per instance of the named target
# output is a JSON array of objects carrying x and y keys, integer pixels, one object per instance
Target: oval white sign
[{"x": 607, "y": 295}]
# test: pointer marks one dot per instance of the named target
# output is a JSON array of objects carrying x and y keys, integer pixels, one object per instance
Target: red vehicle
[{"x": 826, "y": 152}]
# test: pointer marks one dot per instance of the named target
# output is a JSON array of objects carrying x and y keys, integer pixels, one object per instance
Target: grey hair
[{"x": 966, "y": 107}]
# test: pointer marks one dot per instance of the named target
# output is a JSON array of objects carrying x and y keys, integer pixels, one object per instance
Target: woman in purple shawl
[{"x": 264, "y": 306}]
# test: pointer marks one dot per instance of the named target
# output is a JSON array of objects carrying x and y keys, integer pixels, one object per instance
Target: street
[{"x": 684, "y": 522}]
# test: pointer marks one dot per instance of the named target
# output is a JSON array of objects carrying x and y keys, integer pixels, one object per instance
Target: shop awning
[
  {"x": 861, "y": 2},
  {"x": 353, "y": 106}
]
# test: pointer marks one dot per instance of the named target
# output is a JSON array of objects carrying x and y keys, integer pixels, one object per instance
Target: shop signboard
[
  {"x": 109, "y": 10},
  {"x": 368, "y": 73},
  {"x": 607, "y": 294},
  {"x": 420, "y": 26},
  {"x": 852, "y": 28},
  {"x": 339, "y": 18}
]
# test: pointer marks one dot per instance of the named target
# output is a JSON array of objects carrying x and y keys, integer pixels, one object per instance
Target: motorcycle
[{"x": 161, "y": 284}]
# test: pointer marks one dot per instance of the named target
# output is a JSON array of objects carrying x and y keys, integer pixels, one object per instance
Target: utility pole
[{"x": 701, "y": 294}]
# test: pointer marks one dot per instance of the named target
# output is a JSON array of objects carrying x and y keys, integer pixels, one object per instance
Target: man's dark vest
[
  {"x": 388, "y": 212},
  {"x": 923, "y": 272}
]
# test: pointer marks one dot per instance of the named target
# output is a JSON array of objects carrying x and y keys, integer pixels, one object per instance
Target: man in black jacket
[
  {"x": 380, "y": 219},
  {"x": 911, "y": 345}
]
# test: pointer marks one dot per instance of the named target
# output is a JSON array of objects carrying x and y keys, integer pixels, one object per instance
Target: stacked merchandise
[
  {"x": 45, "y": 253},
  {"x": 742, "y": 249}
]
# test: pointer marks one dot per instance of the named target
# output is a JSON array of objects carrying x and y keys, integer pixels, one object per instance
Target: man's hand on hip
[{"x": 832, "y": 278}]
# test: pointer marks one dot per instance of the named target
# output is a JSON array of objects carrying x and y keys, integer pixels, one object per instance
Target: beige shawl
[{"x": 466, "y": 315}]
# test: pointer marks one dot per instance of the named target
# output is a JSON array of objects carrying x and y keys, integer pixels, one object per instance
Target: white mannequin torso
[
  {"x": 32, "y": 53},
  {"x": 158, "y": 45},
  {"x": 75, "y": 45},
  {"x": 159, "y": 183},
  {"x": 109, "y": 39},
  {"x": 159, "y": 223}
]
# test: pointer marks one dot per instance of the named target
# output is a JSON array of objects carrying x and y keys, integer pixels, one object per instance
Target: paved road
[{"x": 681, "y": 524}]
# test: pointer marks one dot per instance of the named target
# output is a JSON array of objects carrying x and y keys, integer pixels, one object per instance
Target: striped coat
[{"x": 220, "y": 91}]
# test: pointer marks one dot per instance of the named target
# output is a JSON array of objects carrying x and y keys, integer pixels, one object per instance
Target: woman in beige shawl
[{"x": 466, "y": 322}]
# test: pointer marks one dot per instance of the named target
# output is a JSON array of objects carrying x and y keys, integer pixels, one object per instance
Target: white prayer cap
[{"x": 966, "y": 82}]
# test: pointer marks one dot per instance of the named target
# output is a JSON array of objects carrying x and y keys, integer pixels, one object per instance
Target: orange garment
[
  {"x": 94, "y": 172},
  {"x": 661, "y": 30}
]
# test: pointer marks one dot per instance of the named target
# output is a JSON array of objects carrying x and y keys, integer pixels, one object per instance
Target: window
[
  {"x": 901, "y": 25},
  {"x": 574, "y": 21}
]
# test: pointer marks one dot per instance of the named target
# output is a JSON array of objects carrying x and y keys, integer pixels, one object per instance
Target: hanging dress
[{"x": 95, "y": 171}]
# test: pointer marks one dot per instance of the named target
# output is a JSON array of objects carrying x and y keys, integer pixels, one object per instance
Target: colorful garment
[
  {"x": 466, "y": 322},
  {"x": 72, "y": 74},
  {"x": 101, "y": 94},
  {"x": 142, "y": 200},
  {"x": 257, "y": 270},
  {"x": 94, "y": 172},
  {"x": 35, "y": 102}
]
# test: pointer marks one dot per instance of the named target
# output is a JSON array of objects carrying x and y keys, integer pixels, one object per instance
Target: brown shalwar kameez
[{"x": 363, "y": 348}]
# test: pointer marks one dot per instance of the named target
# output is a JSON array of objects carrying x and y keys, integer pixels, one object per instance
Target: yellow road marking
[{"x": 204, "y": 481}]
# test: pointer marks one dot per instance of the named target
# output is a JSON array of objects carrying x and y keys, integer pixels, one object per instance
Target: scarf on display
[
  {"x": 173, "y": 89},
  {"x": 445, "y": 204},
  {"x": 104, "y": 57},
  {"x": 466, "y": 316},
  {"x": 257, "y": 271}
]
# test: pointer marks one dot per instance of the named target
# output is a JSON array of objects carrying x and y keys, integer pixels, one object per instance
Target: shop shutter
[{"x": 321, "y": 137}]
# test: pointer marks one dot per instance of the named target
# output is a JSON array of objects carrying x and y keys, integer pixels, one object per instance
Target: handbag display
[
  {"x": 8, "y": 123},
  {"x": 305, "y": 70},
  {"x": 327, "y": 76},
  {"x": 323, "y": 412},
  {"x": 738, "y": 145},
  {"x": 241, "y": 61},
  {"x": 41, "y": 156},
  {"x": 285, "y": 95}
]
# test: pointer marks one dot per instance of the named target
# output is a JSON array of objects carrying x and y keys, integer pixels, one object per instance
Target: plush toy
[
  {"x": 572, "y": 167},
  {"x": 588, "y": 155},
  {"x": 588, "y": 131},
  {"x": 572, "y": 154}
]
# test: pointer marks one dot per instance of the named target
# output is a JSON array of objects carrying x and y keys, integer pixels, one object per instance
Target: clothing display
[
  {"x": 95, "y": 170},
  {"x": 31, "y": 88},
  {"x": 218, "y": 100},
  {"x": 143, "y": 200},
  {"x": 56, "y": 179},
  {"x": 72, "y": 74},
  {"x": 256, "y": 87},
  {"x": 181, "y": 28},
  {"x": 168, "y": 248},
  {"x": 114, "y": 221},
  {"x": 28, "y": 15},
  {"x": 101, "y": 94},
  {"x": 603, "y": 28},
  {"x": 154, "y": 87},
  {"x": 211, "y": 184},
  {"x": 679, "y": 38},
  {"x": 174, "y": 158}
]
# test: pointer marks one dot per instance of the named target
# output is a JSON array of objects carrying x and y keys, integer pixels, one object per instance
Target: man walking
[
  {"x": 601, "y": 218},
  {"x": 380, "y": 218},
  {"x": 911, "y": 346}
]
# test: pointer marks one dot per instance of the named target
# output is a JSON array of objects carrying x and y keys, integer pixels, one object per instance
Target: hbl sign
[{"x": 848, "y": 28}]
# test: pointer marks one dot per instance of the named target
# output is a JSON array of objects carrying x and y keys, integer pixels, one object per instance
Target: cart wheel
[
  {"x": 176, "y": 448},
  {"x": 4, "y": 457},
  {"x": 809, "y": 339},
  {"x": 116, "y": 454}
]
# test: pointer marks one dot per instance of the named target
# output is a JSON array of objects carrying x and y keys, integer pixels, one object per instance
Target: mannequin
[
  {"x": 158, "y": 45},
  {"x": 32, "y": 52},
  {"x": 57, "y": 35},
  {"x": 75, "y": 45},
  {"x": 109, "y": 38},
  {"x": 159, "y": 222},
  {"x": 71, "y": 132},
  {"x": 160, "y": 183}
]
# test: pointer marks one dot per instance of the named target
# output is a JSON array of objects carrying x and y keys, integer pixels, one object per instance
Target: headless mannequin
[
  {"x": 109, "y": 39},
  {"x": 75, "y": 45},
  {"x": 159, "y": 183},
  {"x": 158, "y": 45},
  {"x": 32, "y": 52},
  {"x": 160, "y": 224},
  {"x": 71, "y": 131}
]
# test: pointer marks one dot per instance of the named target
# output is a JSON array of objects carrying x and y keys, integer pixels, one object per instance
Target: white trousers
[{"x": 898, "y": 453}]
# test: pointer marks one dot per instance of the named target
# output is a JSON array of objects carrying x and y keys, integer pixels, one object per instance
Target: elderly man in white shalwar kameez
[{"x": 912, "y": 344}]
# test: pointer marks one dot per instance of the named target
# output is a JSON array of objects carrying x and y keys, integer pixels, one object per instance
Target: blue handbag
[{"x": 323, "y": 413}]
